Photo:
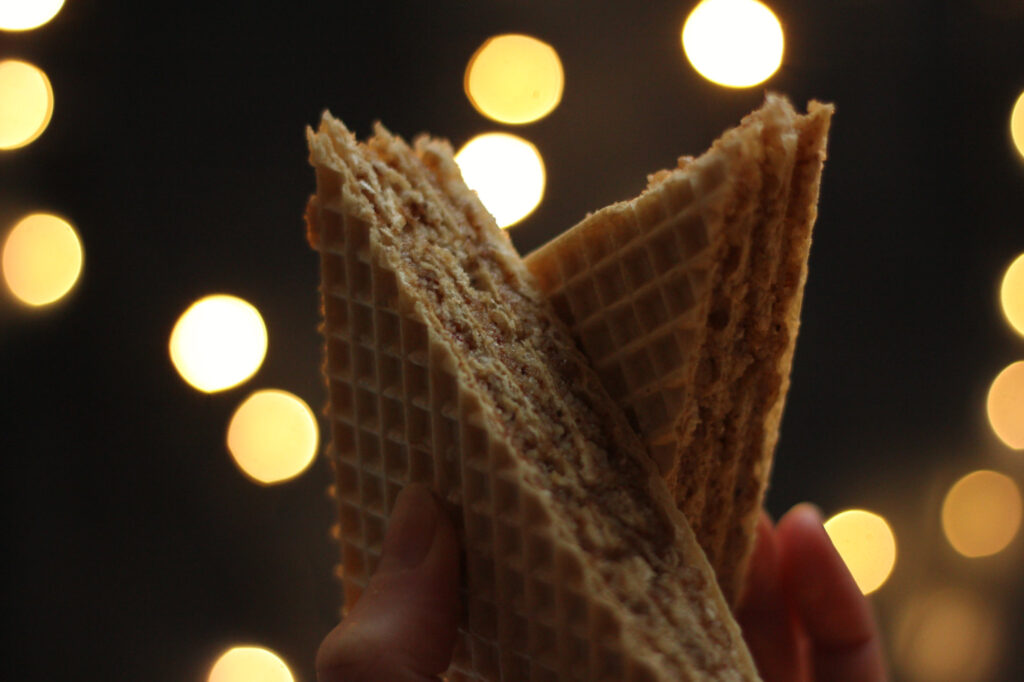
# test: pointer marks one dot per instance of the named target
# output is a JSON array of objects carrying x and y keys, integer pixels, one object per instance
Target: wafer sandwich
[{"x": 447, "y": 364}]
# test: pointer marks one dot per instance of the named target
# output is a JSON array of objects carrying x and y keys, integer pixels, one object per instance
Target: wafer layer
[
  {"x": 446, "y": 365},
  {"x": 686, "y": 300}
]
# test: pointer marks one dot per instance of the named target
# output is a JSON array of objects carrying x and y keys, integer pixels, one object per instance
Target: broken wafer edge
[
  {"x": 446, "y": 365},
  {"x": 686, "y": 300}
]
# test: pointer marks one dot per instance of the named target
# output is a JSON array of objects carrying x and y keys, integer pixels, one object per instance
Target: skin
[{"x": 802, "y": 615}]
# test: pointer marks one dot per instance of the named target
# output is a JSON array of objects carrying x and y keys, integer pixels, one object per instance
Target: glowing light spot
[
  {"x": 981, "y": 513},
  {"x": 273, "y": 436},
  {"x": 249, "y": 664},
  {"x": 219, "y": 342},
  {"x": 514, "y": 79},
  {"x": 1011, "y": 294},
  {"x": 26, "y": 103},
  {"x": 867, "y": 545},
  {"x": 1006, "y": 405},
  {"x": 42, "y": 259},
  {"x": 506, "y": 171},
  {"x": 947, "y": 636},
  {"x": 736, "y": 43},
  {"x": 1017, "y": 124},
  {"x": 22, "y": 15}
]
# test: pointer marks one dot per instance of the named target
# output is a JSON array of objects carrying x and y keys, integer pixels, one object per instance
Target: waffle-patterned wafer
[
  {"x": 687, "y": 301},
  {"x": 446, "y": 365}
]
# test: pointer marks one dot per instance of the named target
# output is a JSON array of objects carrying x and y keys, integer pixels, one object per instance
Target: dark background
[{"x": 136, "y": 550}]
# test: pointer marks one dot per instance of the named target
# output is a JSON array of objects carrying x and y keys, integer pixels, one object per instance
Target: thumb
[{"x": 403, "y": 627}]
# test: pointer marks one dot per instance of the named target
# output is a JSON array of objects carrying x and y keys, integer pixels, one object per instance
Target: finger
[
  {"x": 403, "y": 627},
  {"x": 836, "y": 616},
  {"x": 764, "y": 615}
]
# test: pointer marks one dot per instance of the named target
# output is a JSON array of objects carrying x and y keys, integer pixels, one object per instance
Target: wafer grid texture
[{"x": 398, "y": 415}]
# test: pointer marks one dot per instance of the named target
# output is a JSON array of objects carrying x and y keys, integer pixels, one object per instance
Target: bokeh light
[
  {"x": 219, "y": 342},
  {"x": 1011, "y": 294},
  {"x": 867, "y": 545},
  {"x": 736, "y": 43},
  {"x": 249, "y": 664},
  {"x": 507, "y": 173},
  {"x": 42, "y": 259},
  {"x": 22, "y": 15},
  {"x": 1017, "y": 124},
  {"x": 949, "y": 635},
  {"x": 981, "y": 513},
  {"x": 1005, "y": 405},
  {"x": 26, "y": 103},
  {"x": 514, "y": 79},
  {"x": 273, "y": 436}
]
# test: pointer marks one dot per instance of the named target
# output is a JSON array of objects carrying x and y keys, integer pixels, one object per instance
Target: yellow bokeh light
[
  {"x": 1005, "y": 405},
  {"x": 219, "y": 342},
  {"x": 273, "y": 436},
  {"x": 736, "y": 43},
  {"x": 981, "y": 513},
  {"x": 22, "y": 15},
  {"x": 42, "y": 259},
  {"x": 1011, "y": 294},
  {"x": 867, "y": 545},
  {"x": 1017, "y": 124},
  {"x": 507, "y": 173},
  {"x": 950, "y": 635},
  {"x": 249, "y": 664},
  {"x": 514, "y": 79},
  {"x": 26, "y": 103}
]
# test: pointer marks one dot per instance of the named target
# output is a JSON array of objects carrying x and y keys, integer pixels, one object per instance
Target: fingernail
[
  {"x": 812, "y": 511},
  {"x": 411, "y": 530}
]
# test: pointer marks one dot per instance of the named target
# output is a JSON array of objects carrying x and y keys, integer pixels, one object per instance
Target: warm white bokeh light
[
  {"x": 950, "y": 635},
  {"x": 1017, "y": 124},
  {"x": 26, "y": 103},
  {"x": 249, "y": 664},
  {"x": 273, "y": 436},
  {"x": 1005, "y": 405},
  {"x": 1011, "y": 294},
  {"x": 981, "y": 513},
  {"x": 506, "y": 171},
  {"x": 514, "y": 79},
  {"x": 22, "y": 15},
  {"x": 42, "y": 259},
  {"x": 736, "y": 43},
  {"x": 219, "y": 342},
  {"x": 867, "y": 545}
]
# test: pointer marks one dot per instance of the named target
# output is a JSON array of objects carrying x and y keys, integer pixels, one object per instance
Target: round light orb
[
  {"x": 218, "y": 342},
  {"x": 249, "y": 664},
  {"x": 1011, "y": 294},
  {"x": 1005, "y": 405},
  {"x": 735, "y": 43},
  {"x": 867, "y": 545},
  {"x": 22, "y": 15},
  {"x": 1017, "y": 124},
  {"x": 42, "y": 259},
  {"x": 506, "y": 172},
  {"x": 26, "y": 103},
  {"x": 273, "y": 436},
  {"x": 981, "y": 513},
  {"x": 514, "y": 79}
]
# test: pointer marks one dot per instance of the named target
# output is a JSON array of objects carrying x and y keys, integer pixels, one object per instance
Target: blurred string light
[
  {"x": 736, "y": 43},
  {"x": 949, "y": 635},
  {"x": 981, "y": 513},
  {"x": 273, "y": 436},
  {"x": 1017, "y": 124},
  {"x": 26, "y": 103},
  {"x": 507, "y": 173},
  {"x": 514, "y": 79},
  {"x": 42, "y": 259},
  {"x": 1005, "y": 405},
  {"x": 1011, "y": 294},
  {"x": 22, "y": 15},
  {"x": 218, "y": 342},
  {"x": 867, "y": 545},
  {"x": 249, "y": 664}
]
